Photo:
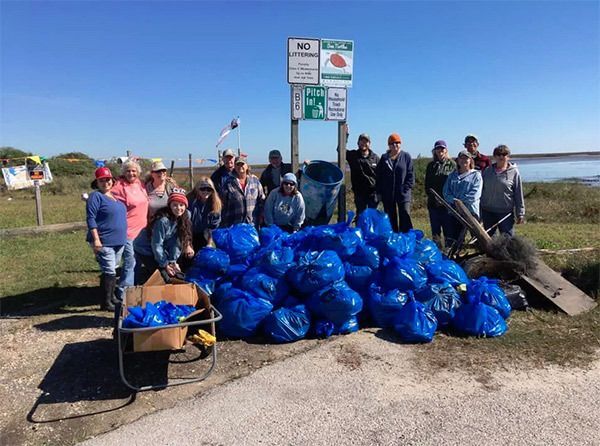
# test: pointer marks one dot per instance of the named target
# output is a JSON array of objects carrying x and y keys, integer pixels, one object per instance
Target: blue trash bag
[
  {"x": 446, "y": 271},
  {"x": 474, "y": 318},
  {"x": 399, "y": 244},
  {"x": 366, "y": 255},
  {"x": 340, "y": 237},
  {"x": 242, "y": 313},
  {"x": 414, "y": 323},
  {"x": 299, "y": 240},
  {"x": 207, "y": 285},
  {"x": 442, "y": 300},
  {"x": 171, "y": 313},
  {"x": 269, "y": 234},
  {"x": 156, "y": 314},
  {"x": 403, "y": 273},
  {"x": 236, "y": 271},
  {"x": 426, "y": 251},
  {"x": 349, "y": 326},
  {"x": 375, "y": 225},
  {"x": 211, "y": 262},
  {"x": 264, "y": 286},
  {"x": 316, "y": 270},
  {"x": 490, "y": 293},
  {"x": 275, "y": 261},
  {"x": 336, "y": 303},
  {"x": 287, "y": 324},
  {"x": 220, "y": 291},
  {"x": 324, "y": 329},
  {"x": 239, "y": 241},
  {"x": 152, "y": 316},
  {"x": 383, "y": 306},
  {"x": 357, "y": 276}
]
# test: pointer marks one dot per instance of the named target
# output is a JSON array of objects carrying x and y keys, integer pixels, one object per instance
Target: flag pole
[{"x": 239, "y": 136}]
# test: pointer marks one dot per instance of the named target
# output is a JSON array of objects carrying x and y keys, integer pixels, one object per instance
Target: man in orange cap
[{"x": 395, "y": 180}]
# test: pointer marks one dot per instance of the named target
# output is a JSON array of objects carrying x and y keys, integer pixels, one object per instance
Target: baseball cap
[
  {"x": 289, "y": 178},
  {"x": 274, "y": 154},
  {"x": 158, "y": 165},
  {"x": 241, "y": 159},
  {"x": 471, "y": 136},
  {"x": 464, "y": 153},
  {"x": 393, "y": 138},
  {"x": 440, "y": 143},
  {"x": 364, "y": 136},
  {"x": 228, "y": 152}
]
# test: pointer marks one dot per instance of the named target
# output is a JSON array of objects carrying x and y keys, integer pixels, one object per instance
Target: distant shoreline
[{"x": 553, "y": 155}]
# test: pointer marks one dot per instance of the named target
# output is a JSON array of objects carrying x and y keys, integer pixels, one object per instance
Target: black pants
[
  {"x": 399, "y": 214},
  {"x": 362, "y": 202}
]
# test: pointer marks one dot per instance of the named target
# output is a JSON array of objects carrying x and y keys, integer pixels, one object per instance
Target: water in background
[{"x": 585, "y": 168}]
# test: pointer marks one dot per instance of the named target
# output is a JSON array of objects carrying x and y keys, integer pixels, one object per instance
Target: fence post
[
  {"x": 38, "y": 204},
  {"x": 191, "y": 172}
]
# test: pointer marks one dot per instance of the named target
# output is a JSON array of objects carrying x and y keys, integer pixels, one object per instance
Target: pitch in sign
[{"x": 314, "y": 102}]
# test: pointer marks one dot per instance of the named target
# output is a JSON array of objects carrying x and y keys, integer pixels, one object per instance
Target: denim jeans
[
  {"x": 108, "y": 258},
  {"x": 491, "y": 218},
  {"x": 128, "y": 267}
]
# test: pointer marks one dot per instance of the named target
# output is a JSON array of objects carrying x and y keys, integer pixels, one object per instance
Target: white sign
[
  {"x": 337, "y": 62},
  {"x": 18, "y": 177},
  {"x": 303, "y": 61},
  {"x": 337, "y": 104},
  {"x": 296, "y": 102}
]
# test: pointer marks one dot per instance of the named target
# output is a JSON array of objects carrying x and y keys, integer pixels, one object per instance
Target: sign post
[{"x": 38, "y": 203}]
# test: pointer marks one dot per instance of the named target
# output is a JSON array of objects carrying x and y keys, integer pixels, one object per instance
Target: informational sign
[
  {"x": 21, "y": 177},
  {"x": 314, "y": 102},
  {"x": 296, "y": 102},
  {"x": 337, "y": 103},
  {"x": 303, "y": 61},
  {"x": 337, "y": 61}
]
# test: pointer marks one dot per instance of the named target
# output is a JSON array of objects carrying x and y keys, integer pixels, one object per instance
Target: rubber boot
[{"x": 107, "y": 285}]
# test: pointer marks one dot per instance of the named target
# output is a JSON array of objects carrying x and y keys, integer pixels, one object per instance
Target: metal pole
[
  {"x": 239, "y": 137},
  {"x": 191, "y": 172},
  {"x": 294, "y": 146},
  {"x": 128, "y": 153},
  {"x": 342, "y": 165},
  {"x": 172, "y": 168},
  {"x": 38, "y": 204}
]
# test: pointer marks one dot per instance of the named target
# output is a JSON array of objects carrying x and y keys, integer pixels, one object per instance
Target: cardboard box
[{"x": 179, "y": 293}]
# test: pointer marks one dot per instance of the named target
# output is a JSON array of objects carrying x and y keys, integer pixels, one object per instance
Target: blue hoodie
[{"x": 466, "y": 187}]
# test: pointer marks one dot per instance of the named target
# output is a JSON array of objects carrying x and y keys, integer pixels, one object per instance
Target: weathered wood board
[{"x": 558, "y": 290}]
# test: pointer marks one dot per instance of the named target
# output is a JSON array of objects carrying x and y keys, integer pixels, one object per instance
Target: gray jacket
[
  {"x": 503, "y": 192},
  {"x": 284, "y": 210}
]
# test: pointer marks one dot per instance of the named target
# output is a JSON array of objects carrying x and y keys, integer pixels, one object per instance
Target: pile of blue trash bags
[
  {"x": 156, "y": 314},
  {"x": 331, "y": 279}
]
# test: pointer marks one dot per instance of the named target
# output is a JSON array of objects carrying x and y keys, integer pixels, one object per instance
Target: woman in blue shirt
[
  {"x": 107, "y": 232},
  {"x": 162, "y": 242},
  {"x": 464, "y": 184}
]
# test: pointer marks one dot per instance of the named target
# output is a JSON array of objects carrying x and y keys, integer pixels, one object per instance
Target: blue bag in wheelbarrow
[
  {"x": 490, "y": 293},
  {"x": 264, "y": 286},
  {"x": 375, "y": 226},
  {"x": 383, "y": 306},
  {"x": 337, "y": 303},
  {"x": 414, "y": 323},
  {"x": 403, "y": 274},
  {"x": 315, "y": 270},
  {"x": 474, "y": 318},
  {"x": 287, "y": 324},
  {"x": 446, "y": 271},
  {"x": 242, "y": 313},
  {"x": 238, "y": 241},
  {"x": 157, "y": 314},
  {"x": 442, "y": 300}
]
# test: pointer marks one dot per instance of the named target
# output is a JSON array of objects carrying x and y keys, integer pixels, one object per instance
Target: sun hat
[
  {"x": 274, "y": 154},
  {"x": 289, "y": 178},
  {"x": 178, "y": 196},
  {"x": 228, "y": 152},
  {"x": 393, "y": 138},
  {"x": 364, "y": 136},
  {"x": 158, "y": 165},
  {"x": 440, "y": 143}
]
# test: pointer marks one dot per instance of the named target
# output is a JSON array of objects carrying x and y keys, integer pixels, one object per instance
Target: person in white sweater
[{"x": 285, "y": 206}]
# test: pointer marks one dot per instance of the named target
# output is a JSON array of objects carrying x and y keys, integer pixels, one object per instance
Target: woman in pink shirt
[{"x": 131, "y": 191}]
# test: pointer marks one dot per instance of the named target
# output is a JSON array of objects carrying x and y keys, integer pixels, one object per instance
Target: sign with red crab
[{"x": 337, "y": 61}]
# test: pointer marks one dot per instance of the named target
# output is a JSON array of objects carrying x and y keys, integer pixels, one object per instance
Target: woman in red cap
[
  {"x": 107, "y": 232},
  {"x": 394, "y": 181},
  {"x": 162, "y": 242}
]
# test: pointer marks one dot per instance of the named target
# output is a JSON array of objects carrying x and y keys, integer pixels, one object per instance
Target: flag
[{"x": 235, "y": 122}]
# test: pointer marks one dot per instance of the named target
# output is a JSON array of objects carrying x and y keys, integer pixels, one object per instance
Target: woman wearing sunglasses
[
  {"x": 285, "y": 206},
  {"x": 205, "y": 207},
  {"x": 107, "y": 233},
  {"x": 158, "y": 186},
  {"x": 502, "y": 194}
]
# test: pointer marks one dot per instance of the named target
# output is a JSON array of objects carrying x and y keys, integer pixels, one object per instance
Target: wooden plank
[
  {"x": 558, "y": 290},
  {"x": 46, "y": 229},
  {"x": 484, "y": 239}
]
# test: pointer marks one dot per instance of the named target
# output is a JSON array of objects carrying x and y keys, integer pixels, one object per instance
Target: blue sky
[{"x": 162, "y": 78}]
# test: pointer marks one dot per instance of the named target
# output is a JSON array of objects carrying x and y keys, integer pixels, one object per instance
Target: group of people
[
  {"x": 152, "y": 224},
  {"x": 492, "y": 191}
]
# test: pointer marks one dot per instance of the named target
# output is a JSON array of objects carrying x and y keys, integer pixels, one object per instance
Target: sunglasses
[
  {"x": 501, "y": 154},
  {"x": 159, "y": 171},
  {"x": 205, "y": 189},
  {"x": 285, "y": 183}
]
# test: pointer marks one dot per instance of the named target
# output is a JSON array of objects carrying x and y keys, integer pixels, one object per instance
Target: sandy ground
[{"x": 363, "y": 390}]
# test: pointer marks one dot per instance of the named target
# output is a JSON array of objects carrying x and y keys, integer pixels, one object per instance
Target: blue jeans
[
  {"x": 108, "y": 258},
  {"x": 491, "y": 218},
  {"x": 128, "y": 267},
  {"x": 439, "y": 220}
]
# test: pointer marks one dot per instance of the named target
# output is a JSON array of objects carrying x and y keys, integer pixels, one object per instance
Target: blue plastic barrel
[{"x": 320, "y": 185}]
